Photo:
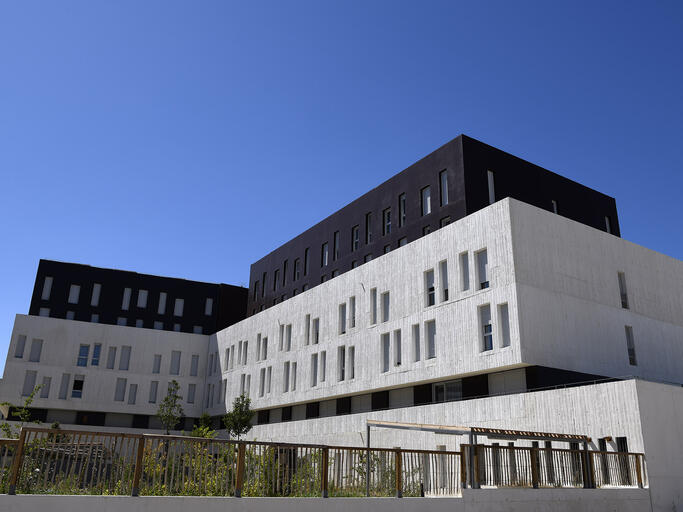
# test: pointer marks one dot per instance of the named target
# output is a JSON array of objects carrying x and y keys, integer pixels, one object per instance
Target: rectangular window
[
  {"x": 341, "y": 363},
  {"x": 486, "y": 328},
  {"x": 95, "y": 297},
  {"x": 45, "y": 387},
  {"x": 397, "y": 347},
  {"x": 70, "y": 315},
  {"x": 276, "y": 278},
  {"x": 158, "y": 325},
  {"x": 83, "y": 353},
  {"x": 74, "y": 293},
  {"x": 608, "y": 224},
  {"x": 153, "y": 388},
  {"x": 386, "y": 351},
  {"x": 352, "y": 312},
  {"x": 430, "y": 331},
  {"x": 288, "y": 337},
  {"x": 306, "y": 260},
  {"x": 448, "y": 391},
  {"x": 342, "y": 318},
  {"x": 125, "y": 302},
  {"x": 269, "y": 374},
  {"x": 262, "y": 382},
  {"x": 264, "y": 348},
  {"x": 367, "y": 257},
  {"x": 293, "y": 376},
  {"x": 132, "y": 394},
  {"x": 443, "y": 187},
  {"x": 120, "y": 391},
  {"x": 285, "y": 377},
  {"x": 142, "y": 300},
  {"x": 162, "y": 303},
  {"x": 94, "y": 318},
  {"x": 416, "y": 342},
  {"x": 263, "y": 288},
  {"x": 208, "y": 306},
  {"x": 323, "y": 365},
  {"x": 426, "y": 195},
  {"x": 351, "y": 363},
  {"x": 139, "y": 323},
  {"x": 386, "y": 221},
  {"x": 324, "y": 255},
  {"x": 464, "y": 271},
  {"x": 482, "y": 269},
  {"x": 245, "y": 346},
  {"x": 124, "y": 360},
  {"x": 44, "y": 312},
  {"x": 622, "y": 289},
  {"x": 178, "y": 307},
  {"x": 402, "y": 241},
  {"x": 297, "y": 271},
  {"x": 197, "y": 329},
  {"x": 373, "y": 306},
  {"x": 401, "y": 210},
  {"x": 385, "y": 307},
  {"x": 443, "y": 277},
  {"x": 64, "y": 386},
  {"x": 175, "y": 362},
  {"x": 504, "y": 323},
  {"x": 96, "y": 352},
  {"x": 47, "y": 288},
  {"x": 631, "y": 346},
  {"x": 284, "y": 273},
  {"x": 430, "y": 292},
  {"x": 492, "y": 187},
  {"x": 355, "y": 238},
  {"x": 316, "y": 331},
  {"x": 387, "y": 249},
  {"x": 335, "y": 246},
  {"x": 29, "y": 382},
  {"x": 368, "y": 228},
  {"x": 36, "y": 350},
  {"x": 554, "y": 206},
  {"x": 111, "y": 358},
  {"x": 255, "y": 295},
  {"x": 314, "y": 370},
  {"x": 19, "y": 348},
  {"x": 307, "y": 329},
  {"x": 191, "y": 392},
  {"x": 156, "y": 364}
]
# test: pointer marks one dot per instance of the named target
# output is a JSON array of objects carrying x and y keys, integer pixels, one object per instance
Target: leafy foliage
[
  {"x": 23, "y": 414},
  {"x": 170, "y": 411},
  {"x": 238, "y": 421},
  {"x": 204, "y": 428}
]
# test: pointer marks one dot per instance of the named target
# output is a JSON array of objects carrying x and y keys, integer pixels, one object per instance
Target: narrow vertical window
[
  {"x": 622, "y": 289},
  {"x": 191, "y": 392},
  {"x": 323, "y": 365},
  {"x": 19, "y": 348},
  {"x": 120, "y": 390},
  {"x": 125, "y": 302},
  {"x": 47, "y": 288},
  {"x": 96, "y": 351},
  {"x": 342, "y": 318},
  {"x": 464, "y": 271},
  {"x": 631, "y": 346},
  {"x": 269, "y": 375},
  {"x": 504, "y": 323},
  {"x": 482, "y": 269},
  {"x": 351, "y": 364},
  {"x": 386, "y": 221},
  {"x": 385, "y": 306},
  {"x": 314, "y": 370},
  {"x": 36, "y": 350},
  {"x": 162, "y": 303},
  {"x": 316, "y": 331},
  {"x": 426, "y": 195},
  {"x": 335, "y": 246},
  {"x": 175, "y": 363},
  {"x": 284, "y": 273},
  {"x": 293, "y": 376},
  {"x": 397, "y": 347},
  {"x": 554, "y": 205},
  {"x": 486, "y": 328},
  {"x": 153, "y": 388},
  {"x": 29, "y": 382},
  {"x": 306, "y": 260},
  {"x": 285, "y": 377},
  {"x": 264, "y": 348},
  {"x": 401, "y": 210},
  {"x": 156, "y": 363},
  {"x": 132, "y": 393},
  {"x": 124, "y": 360},
  {"x": 355, "y": 238},
  {"x": 288, "y": 337},
  {"x": 95, "y": 297},
  {"x": 373, "y": 306},
  {"x": 263, "y": 281},
  {"x": 386, "y": 351},
  {"x": 443, "y": 278},
  {"x": 208, "y": 306},
  {"x": 111, "y": 358},
  {"x": 258, "y": 346},
  {"x": 297, "y": 269},
  {"x": 45, "y": 387},
  {"x": 64, "y": 386},
  {"x": 430, "y": 330},
  {"x": 352, "y": 312},
  {"x": 256, "y": 284},
  {"x": 74, "y": 293},
  {"x": 307, "y": 329},
  {"x": 341, "y": 363},
  {"x": 492, "y": 186},
  {"x": 276, "y": 278},
  {"x": 142, "y": 298},
  {"x": 178, "y": 307},
  {"x": 443, "y": 187},
  {"x": 608, "y": 224},
  {"x": 430, "y": 293},
  {"x": 368, "y": 228},
  {"x": 83, "y": 353},
  {"x": 194, "y": 364},
  {"x": 262, "y": 382},
  {"x": 416, "y": 342},
  {"x": 324, "y": 255}
]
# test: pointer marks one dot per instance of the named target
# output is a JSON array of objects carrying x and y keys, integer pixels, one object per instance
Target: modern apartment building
[{"x": 528, "y": 313}]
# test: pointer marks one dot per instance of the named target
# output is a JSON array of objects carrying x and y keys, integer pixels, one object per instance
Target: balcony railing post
[
  {"x": 639, "y": 473},
  {"x": 239, "y": 481},
  {"x": 325, "y": 472},
  {"x": 534, "y": 467},
  {"x": 463, "y": 469},
  {"x": 17, "y": 462},
  {"x": 138, "y": 466},
  {"x": 399, "y": 475}
]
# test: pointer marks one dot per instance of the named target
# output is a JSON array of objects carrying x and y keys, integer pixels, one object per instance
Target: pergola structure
[{"x": 472, "y": 433}]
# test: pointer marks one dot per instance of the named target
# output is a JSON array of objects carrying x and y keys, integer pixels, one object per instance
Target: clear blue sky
[{"x": 190, "y": 138}]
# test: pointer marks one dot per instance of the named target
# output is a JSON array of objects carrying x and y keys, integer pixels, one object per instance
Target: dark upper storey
[
  {"x": 469, "y": 166},
  {"x": 226, "y": 304}
]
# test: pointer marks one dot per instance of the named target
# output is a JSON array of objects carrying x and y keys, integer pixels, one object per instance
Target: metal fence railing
[{"x": 49, "y": 461}]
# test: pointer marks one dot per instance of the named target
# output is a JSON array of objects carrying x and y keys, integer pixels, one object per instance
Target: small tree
[
  {"x": 170, "y": 411},
  {"x": 204, "y": 428},
  {"x": 23, "y": 414},
  {"x": 238, "y": 421}
]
